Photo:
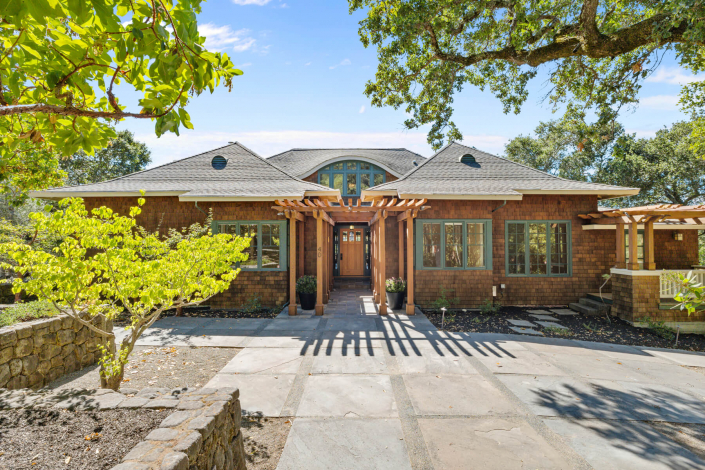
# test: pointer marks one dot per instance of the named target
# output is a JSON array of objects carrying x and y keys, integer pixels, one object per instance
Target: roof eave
[
  {"x": 196, "y": 198},
  {"x": 601, "y": 193},
  {"x": 56, "y": 194}
]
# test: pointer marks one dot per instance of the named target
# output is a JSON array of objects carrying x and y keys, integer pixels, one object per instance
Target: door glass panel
[
  {"x": 250, "y": 230},
  {"x": 352, "y": 184},
  {"x": 358, "y": 236},
  {"x": 325, "y": 179},
  {"x": 345, "y": 235},
  {"x": 338, "y": 181},
  {"x": 432, "y": 245},
  {"x": 379, "y": 179},
  {"x": 364, "y": 181},
  {"x": 454, "y": 245},
  {"x": 476, "y": 245}
]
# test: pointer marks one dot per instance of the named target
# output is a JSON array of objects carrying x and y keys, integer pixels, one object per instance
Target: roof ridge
[{"x": 266, "y": 160}]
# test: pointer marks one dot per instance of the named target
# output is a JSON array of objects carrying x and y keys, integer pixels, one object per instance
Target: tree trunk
[
  {"x": 179, "y": 311},
  {"x": 112, "y": 382},
  {"x": 18, "y": 296}
]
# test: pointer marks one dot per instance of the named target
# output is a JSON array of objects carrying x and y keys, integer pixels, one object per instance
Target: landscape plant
[
  {"x": 106, "y": 264},
  {"x": 306, "y": 284},
  {"x": 443, "y": 301},
  {"x": 490, "y": 308},
  {"x": 26, "y": 311},
  {"x": 395, "y": 285}
]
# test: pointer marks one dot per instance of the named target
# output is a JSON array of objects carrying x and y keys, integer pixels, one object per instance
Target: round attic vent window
[
  {"x": 467, "y": 159},
  {"x": 219, "y": 162}
]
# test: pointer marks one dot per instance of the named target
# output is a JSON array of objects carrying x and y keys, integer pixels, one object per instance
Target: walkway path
[{"x": 394, "y": 392}]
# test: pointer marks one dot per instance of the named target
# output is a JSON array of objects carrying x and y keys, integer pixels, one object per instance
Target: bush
[
  {"x": 443, "y": 301},
  {"x": 306, "y": 284},
  {"x": 27, "y": 311},
  {"x": 252, "y": 304},
  {"x": 659, "y": 328},
  {"x": 489, "y": 308},
  {"x": 395, "y": 284}
]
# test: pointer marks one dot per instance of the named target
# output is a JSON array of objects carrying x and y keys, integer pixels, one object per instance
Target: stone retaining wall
[{"x": 32, "y": 354}]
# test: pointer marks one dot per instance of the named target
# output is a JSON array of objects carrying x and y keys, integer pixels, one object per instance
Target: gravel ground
[
  {"x": 582, "y": 327},
  {"x": 61, "y": 439},
  {"x": 691, "y": 436},
  {"x": 167, "y": 367},
  {"x": 264, "y": 441},
  {"x": 207, "y": 312}
]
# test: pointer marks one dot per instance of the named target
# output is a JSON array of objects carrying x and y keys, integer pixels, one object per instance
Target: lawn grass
[{"x": 27, "y": 311}]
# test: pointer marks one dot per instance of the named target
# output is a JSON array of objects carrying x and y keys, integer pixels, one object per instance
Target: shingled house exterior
[{"x": 473, "y": 224}]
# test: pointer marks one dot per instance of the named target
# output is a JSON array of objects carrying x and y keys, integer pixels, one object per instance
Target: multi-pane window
[
  {"x": 538, "y": 248},
  {"x": 351, "y": 177},
  {"x": 454, "y": 244},
  {"x": 267, "y": 250},
  {"x": 639, "y": 246}
]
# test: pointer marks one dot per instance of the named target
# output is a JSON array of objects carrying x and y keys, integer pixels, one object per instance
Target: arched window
[{"x": 351, "y": 177}]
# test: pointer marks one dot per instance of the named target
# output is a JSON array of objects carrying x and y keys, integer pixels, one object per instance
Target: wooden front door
[{"x": 352, "y": 252}]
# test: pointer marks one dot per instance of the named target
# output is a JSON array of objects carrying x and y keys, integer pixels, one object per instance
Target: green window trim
[
  {"x": 487, "y": 242},
  {"x": 283, "y": 240},
  {"x": 348, "y": 174},
  {"x": 527, "y": 250}
]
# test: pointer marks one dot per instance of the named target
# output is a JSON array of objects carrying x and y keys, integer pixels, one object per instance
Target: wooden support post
[
  {"x": 400, "y": 229},
  {"x": 410, "y": 307},
  {"x": 300, "y": 248},
  {"x": 292, "y": 266},
  {"x": 319, "y": 264},
  {"x": 633, "y": 263},
  {"x": 376, "y": 254},
  {"x": 382, "y": 265},
  {"x": 649, "y": 262},
  {"x": 621, "y": 263},
  {"x": 326, "y": 289}
]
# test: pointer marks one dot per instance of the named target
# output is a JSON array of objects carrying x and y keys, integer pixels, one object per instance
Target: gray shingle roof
[
  {"x": 444, "y": 175},
  {"x": 303, "y": 162},
  {"x": 246, "y": 175}
]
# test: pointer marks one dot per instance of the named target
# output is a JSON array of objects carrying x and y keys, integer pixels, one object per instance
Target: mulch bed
[
  {"x": 61, "y": 439},
  {"x": 207, "y": 312},
  {"x": 582, "y": 327},
  {"x": 264, "y": 440}
]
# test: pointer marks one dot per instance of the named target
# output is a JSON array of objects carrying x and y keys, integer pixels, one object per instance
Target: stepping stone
[
  {"x": 544, "y": 317},
  {"x": 539, "y": 312},
  {"x": 563, "y": 311},
  {"x": 525, "y": 331},
  {"x": 550, "y": 324},
  {"x": 521, "y": 323}
]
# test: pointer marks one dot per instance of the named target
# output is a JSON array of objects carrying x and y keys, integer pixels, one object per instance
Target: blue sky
[{"x": 304, "y": 75}]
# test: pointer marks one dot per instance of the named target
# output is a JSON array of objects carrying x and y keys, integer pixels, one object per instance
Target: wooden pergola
[
  {"x": 648, "y": 216},
  {"x": 327, "y": 213}
]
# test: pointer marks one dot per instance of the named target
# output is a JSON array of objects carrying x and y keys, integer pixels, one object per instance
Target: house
[{"x": 473, "y": 225}]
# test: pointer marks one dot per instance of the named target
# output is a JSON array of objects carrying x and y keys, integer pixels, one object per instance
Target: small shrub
[
  {"x": 306, "y": 284},
  {"x": 27, "y": 311},
  {"x": 253, "y": 304},
  {"x": 558, "y": 331},
  {"x": 395, "y": 284},
  {"x": 659, "y": 328},
  {"x": 443, "y": 301},
  {"x": 480, "y": 320},
  {"x": 489, "y": 308}
]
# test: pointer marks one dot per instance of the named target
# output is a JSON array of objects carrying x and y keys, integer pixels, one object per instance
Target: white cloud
[
  {"x": 251, "y": 2},
  {"x": 362, "y": 109},
  {"x": 642, "y": 133},
  {"x": 342, "y": 63},
  {"x": 219, "y": 38},
  {"x": 662, "y": 102},
  {"x": 246, "y": 64},
  {"x": 674, "y": 76},
  {"x": 307, "y": 64}
]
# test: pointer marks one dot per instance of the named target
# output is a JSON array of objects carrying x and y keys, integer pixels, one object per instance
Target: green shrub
[
  {"x": 395, "y": 284},
  {"x": 306, "y": 284},
  {"x": 443, "y": 301},
  {"x": 489, "y": 308},
  {"x": 659, "y": 328},
  {"x": 252, "y": 304},
  {"x": 558, "y": 331},
  {"x": 27, "y": 311}
]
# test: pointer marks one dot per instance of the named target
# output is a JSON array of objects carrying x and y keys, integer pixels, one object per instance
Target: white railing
[{"x": 669, "y": 287}]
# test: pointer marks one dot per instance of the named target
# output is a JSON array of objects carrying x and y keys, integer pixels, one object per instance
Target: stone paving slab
[
  {"x": 621, "y": 445},
  {"x": 539, "y": 312},
  {"x": 445, "y": 347},
  {"x": 524, "y": 362},
  {"x": 598, "y": 367},
  {"x": 552, "y": 324},
  {"x": 525, "y": 323},
  {"x": 525, "y": 331},
  {"x": 337, "y": 361},
  {"x": 260, "y": 395},
  {"x": 563, "y": 311},
  {"x": 351, "y": 396},
  {"x": 492, "y": 443},
  {"x": 449, "y": 395},
  {"x": 286, "y": 340},
  {"x": 685, "y": 358},
  {"x": 544, "y": 317},
  {"x": 435, "y": 364},
  {"x": 361, "y": 324},
  {"x": 235, "y": 324},
  {"x": 293, "y": 324},
  {"x": 345, "y": 444},
  {"x": 265, "y": 361}
]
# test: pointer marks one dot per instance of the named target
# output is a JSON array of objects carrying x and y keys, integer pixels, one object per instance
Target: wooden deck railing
[{"x": 669, "y": 287}]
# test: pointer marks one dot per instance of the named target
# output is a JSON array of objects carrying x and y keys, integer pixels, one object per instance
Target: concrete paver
[
  {"x": 260, "y": 395},
  {"x": 263, "y": 361},
  {"x": 339, "y": 361},
  {"x": 353, "y": 396},
  {"x": 521, "y": 323},
  {"x": 525, "y": 331}
]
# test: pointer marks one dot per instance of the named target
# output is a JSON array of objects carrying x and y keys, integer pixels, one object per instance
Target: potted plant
[
  {"x": 306, "y": 288},
  {"x": 396, "y": 288}
]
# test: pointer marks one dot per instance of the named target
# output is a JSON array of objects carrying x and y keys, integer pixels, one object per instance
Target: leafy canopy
[
  {"x": 60, "y": 64},
  {"x": 105, "y": 266},
  {"x": 596, "y": 52}
]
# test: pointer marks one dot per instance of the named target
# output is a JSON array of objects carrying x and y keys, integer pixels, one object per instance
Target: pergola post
[
  {"x": 326, "y": 287},
  {"x": 382, "y": 264},
  {"x": 621, "y": 263},
  {"x": 292, "y": 265},
  {"x": 400, "y": 229},
  {"x": 319, "y": 263},
  {"x": 410, "y": 307},
  {"x": 376, "y": 255},
  {"x": 633, "y": 249},
  {"x": 301, "y": 248},
  {"x": 649, "y": 262}
]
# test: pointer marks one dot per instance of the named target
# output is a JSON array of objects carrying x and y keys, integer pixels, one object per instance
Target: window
[
  {"x": 267, "y": 250},
  {"x": 538, "y": 248},
  {"x": 453, "y": 244},
  {"x": 639, "y": 245},
  {"x": 351, "y": 177}
]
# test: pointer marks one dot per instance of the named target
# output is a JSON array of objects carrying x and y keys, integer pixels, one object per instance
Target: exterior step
[
  {"x": 606, "y": 297},
  {"x": 584, "y": 309},
  {"x": 597, "y": 305}
]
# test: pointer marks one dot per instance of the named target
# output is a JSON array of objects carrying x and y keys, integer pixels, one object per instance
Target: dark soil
[
  {"x": 207, "y": 312},
  {"x": 582, "y": 327},
  {"x": 60, "y": 439},
  {"x": 264, "y": 440}
]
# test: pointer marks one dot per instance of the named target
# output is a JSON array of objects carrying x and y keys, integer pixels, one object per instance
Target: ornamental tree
[
  {"x": 596, "y": 52},
  {"x": 64, "y": 63},
  {"x": 106, "y": 266}
]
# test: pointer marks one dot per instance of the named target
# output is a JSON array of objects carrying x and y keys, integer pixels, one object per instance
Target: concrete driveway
[{"x": 366, "y": 391}]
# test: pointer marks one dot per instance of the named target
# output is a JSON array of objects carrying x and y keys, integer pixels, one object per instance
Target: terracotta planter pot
[
  {"x": 308, "y": 301},
  {"x": 395, "y": 300}
]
